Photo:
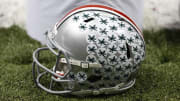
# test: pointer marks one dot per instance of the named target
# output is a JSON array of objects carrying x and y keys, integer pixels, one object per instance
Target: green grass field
[{"x": 157, "y": 80}]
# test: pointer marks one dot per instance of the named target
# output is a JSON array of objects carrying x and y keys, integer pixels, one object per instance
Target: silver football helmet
[{"x": 98, "y": 50}]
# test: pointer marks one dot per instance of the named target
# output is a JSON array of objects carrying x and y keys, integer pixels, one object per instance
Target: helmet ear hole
[{"x": 94, "y": 78}]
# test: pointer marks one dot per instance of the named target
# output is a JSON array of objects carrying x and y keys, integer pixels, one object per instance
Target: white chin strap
[{"x": 81, "y": 63}]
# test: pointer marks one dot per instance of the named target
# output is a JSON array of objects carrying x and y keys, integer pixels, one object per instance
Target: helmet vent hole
[
  {"x": 128, "y": 51},
  {"x": 88, "y": 20}
]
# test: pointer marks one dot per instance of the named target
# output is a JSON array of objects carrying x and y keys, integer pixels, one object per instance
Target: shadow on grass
[
  {"x": 171, "y": 36},
  {"x": 167, "y": 41}
]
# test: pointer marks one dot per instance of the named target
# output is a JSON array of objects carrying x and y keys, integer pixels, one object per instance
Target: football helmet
[{"x": 98, "y": 51}]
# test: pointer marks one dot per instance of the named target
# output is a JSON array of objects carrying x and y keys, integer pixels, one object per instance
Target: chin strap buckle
[{"x": 84, "y": 65}]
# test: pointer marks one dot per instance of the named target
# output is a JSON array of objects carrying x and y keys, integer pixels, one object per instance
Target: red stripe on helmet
[{"x": 105, "y": 7}]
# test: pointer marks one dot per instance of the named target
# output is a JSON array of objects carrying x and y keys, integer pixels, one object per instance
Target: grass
[{"x": 157, "y": 80}]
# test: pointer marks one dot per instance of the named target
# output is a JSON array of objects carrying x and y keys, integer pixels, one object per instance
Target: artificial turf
[{"x": 158, "y": 78}]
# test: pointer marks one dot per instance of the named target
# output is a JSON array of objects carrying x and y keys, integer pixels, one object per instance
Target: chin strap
[
  {"x": 81, "y": 63},
  {"x": 112, "y": 90}
]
